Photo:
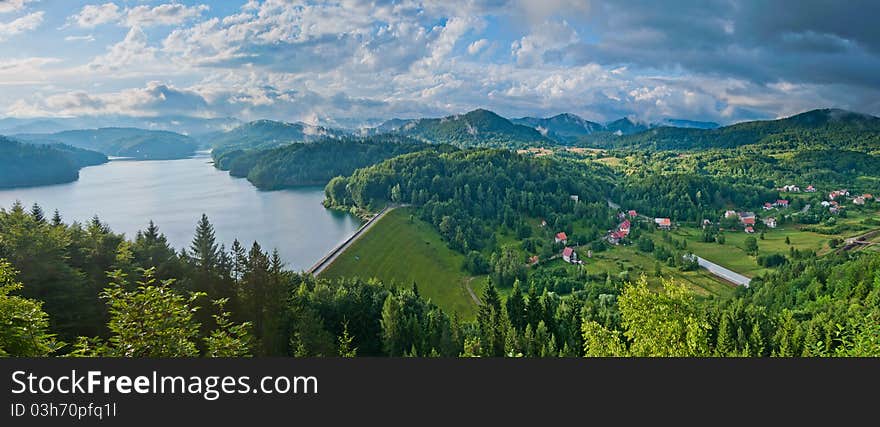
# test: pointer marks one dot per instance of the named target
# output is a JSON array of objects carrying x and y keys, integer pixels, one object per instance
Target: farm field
[
  {"x": 626, "y": 258},
  {"x": 403, "y": 251}
]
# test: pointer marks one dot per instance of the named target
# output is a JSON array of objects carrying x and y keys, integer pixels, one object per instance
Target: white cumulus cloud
[
  {"x": 7, "y": 6},
  {"x": 93, "y": 15},
  {"x": 20, "y": 25}
]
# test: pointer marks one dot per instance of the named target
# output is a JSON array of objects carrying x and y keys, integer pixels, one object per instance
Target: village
[{"x": 732, "y": 220}]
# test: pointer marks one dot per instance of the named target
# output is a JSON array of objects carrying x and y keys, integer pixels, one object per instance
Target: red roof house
[
  {"x": 663, "y": 222},
  {"x": 748, "y": 220},
  {"x": 625, "y": 225},
  {"x": 569, "y": 255},
  {"x": 561, "y": 237},
  {"x": 750, "y": 230},
  {"x": 632, "y": 214},
  {"x": 781, "y": 202}
]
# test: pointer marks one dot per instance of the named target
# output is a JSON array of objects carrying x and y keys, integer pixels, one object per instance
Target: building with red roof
[
  {"x": 632, "y": 213},
  {"x": 561, "y": 237},
  {"x": 569, "y": 255}
]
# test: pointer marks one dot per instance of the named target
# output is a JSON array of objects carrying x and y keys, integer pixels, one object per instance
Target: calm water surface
[{"x": 175, "y": 193}]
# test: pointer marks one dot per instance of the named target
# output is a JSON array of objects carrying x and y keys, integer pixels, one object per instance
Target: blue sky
[{"x": 351, "y": 60}]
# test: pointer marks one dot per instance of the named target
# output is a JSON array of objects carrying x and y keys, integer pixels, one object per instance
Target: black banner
[{"x": 367, "y": 391}]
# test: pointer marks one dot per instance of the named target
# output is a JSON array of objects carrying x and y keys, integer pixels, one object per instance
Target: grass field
[
  {"x": 403, "y": 251},
  {"x": 627, "y": 258},
  {"x": 732, "y": 253}
]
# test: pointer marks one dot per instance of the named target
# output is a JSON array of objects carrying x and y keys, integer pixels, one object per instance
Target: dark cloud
[{"x": 799, "y": 42}]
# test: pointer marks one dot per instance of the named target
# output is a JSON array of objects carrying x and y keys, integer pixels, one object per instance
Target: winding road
[{"x": 330, "y": 257}]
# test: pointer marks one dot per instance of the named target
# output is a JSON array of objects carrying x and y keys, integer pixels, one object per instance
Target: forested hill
[
  {"x": 29, "y": 165},
  {"x": 478, "y": 128},
  {"x": 315, "y": 163},
  {"x": 468, "y": 194},
  {"x": 262, "y": 134},
  {"x": 122, "y": 142},
  {"x": 829, "y": 128}
]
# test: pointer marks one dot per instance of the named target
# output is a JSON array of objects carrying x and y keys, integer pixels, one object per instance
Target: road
[
  {"x": 724, "y": 273},
  {"x": 330, "y": 257}
]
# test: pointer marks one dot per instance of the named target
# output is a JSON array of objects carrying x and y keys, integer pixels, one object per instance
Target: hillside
[
  {"x": 30, "y": 165},
  {"x": 820, "y": 128},
  {"x": 122, "y": 142},
  {"x": 563, "y": 128},
  {"x": 478, "y": 128},
  {"x": 315, "y": 163},
  {"x": 263, "y": 134}
]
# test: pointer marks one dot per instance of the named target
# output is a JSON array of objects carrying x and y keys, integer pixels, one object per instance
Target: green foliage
[
  {"x": 468, "y": 195},
  {"x": 24, "y": 326}
]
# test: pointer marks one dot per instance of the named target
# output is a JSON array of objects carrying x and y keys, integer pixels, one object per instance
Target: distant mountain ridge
[
  {"x": 564, "y": 128},
  {"x": 122, "y": 142},
  {"x": 819, "y": 126},
  {"x": 477, "y": 128},
  {"x": 568, "y": 128}
]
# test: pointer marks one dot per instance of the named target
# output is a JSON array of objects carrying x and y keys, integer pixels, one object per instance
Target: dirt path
[{"x": 467, "y": 285}]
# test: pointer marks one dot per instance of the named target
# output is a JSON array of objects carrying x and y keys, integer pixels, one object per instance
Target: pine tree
[
  {"x": 56, "y": 219},
  {"x": 346, "y": 343},
  {"x": 724, "y": 342},
  {"x": 203, "y": 249},
  {"x": 37, "y": 214},
  {"x": 516, "y": 307}
]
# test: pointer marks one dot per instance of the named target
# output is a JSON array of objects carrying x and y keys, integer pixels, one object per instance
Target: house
[
  {"x": 868, "y": 196},
  {"x": 625, "y": 226},
  {"x": 838, "y": 193},
  {"x": 768, "y": 206},
  {"x": 747, "y": 218},
  {"x": 860, "y": 200},
  {"x": 791, "y": 188},
  {"x": 561, "y": 237},
  {"x": 706, "y": 223},
  {"x": 614, "y": 237},
  {"x": 663, "y": 223},
  {"x": 543, "y": 223},
  {"x": 569, "y": 255},
  {"x": 750, "y": 229},
  {"x": 770, "y": 222},
  {"x": 730, "y": 214},
  {"x": 826, "y": 203},
  {"x": 810, "y": 189},
  {"x": 632, "y": 213},
  {"x": 574, "y": 197},
  {"x": 781, "y": 203},
  {"x": 533, "y": 260}
]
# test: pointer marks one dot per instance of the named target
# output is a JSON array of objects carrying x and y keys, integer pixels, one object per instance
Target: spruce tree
[
  {"x": 37, "y": 214},
  {"x": 56, "y": 219}
]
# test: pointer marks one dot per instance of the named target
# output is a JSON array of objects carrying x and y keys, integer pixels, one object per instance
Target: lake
[{"x": 174, "y": 193}]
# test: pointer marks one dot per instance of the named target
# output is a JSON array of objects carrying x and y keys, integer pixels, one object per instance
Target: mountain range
[
  {"x": 121, "y": 142},
  {"x": 816, "y": 127}
]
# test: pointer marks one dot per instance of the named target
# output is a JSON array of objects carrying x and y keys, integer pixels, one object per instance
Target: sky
[{"x": 352, "y": 61}]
